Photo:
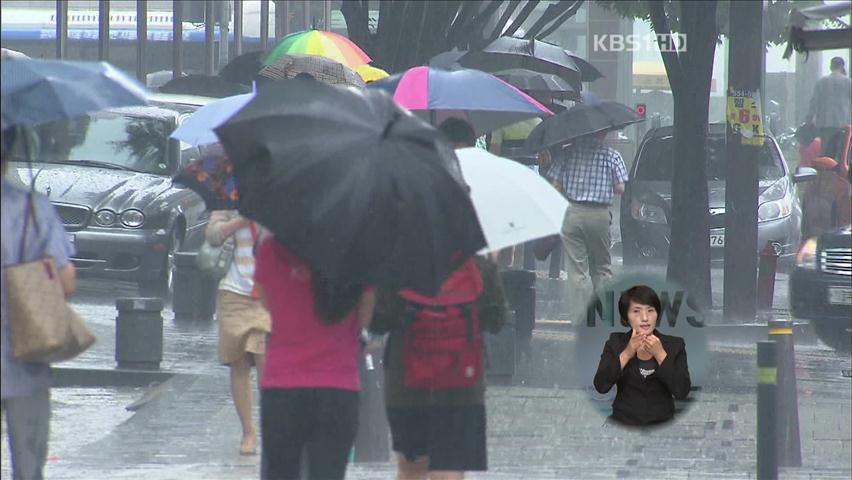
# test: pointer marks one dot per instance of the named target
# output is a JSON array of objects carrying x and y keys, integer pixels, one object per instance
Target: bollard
[
  {"x": 787, "y": 404},
  {"x": 767, "y": 459},
  {"x": 768, "y": 265},
  {"x": 139, "y": 333},
  {"x": 555, "y": 270},
  {"x": 520, "y": 293},
  {"x": 500, "y": 352},
  {"x": 194, "y": 291},
  {"x": 371, "y": 442}
]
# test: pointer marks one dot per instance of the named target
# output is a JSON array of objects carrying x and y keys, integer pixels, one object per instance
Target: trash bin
[
  {"x": 139, "y": 333},
  {"x": 194, "y": 291},
  {"x": 520, "y": 292}
]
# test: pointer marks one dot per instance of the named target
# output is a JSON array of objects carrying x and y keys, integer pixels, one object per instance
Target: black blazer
[{"x": 639, "y": 400}]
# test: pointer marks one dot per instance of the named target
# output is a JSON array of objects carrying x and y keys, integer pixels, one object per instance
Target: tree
[
  {"x": 689, "y": 75},
  {"x": 409, "y": 33}
]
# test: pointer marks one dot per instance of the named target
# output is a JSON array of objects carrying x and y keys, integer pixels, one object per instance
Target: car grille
[
  {"x": 837, "y": 261},
  {"x": 72, "y": 216}
]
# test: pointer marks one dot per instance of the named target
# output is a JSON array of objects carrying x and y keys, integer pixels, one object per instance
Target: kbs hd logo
[{"x": 664, "y": 42}]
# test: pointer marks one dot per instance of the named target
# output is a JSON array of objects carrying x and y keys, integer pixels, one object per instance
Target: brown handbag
[{"x": 44, "y": 328}]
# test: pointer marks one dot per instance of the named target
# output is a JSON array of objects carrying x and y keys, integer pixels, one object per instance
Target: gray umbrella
[
  {"x": 40, "y": 91},
  {"x": 540, "y": 84}
]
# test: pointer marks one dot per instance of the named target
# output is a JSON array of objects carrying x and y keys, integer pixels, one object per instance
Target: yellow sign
[{"x": 744, "y": 117}]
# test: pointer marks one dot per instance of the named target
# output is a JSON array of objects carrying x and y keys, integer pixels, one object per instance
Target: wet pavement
[{"x": 540, "y": 426}]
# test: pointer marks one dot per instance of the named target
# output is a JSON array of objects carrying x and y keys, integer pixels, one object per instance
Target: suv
[
  {"x": 646, "y": 203},
  {"x": 821, "y": 286}
]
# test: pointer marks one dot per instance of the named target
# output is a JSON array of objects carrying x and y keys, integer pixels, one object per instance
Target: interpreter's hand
[
  {"x": 652, "y": 345},
  {"x": 637, "y": 340}
]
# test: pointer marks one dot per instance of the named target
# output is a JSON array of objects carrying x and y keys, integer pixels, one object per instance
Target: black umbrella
[
  {"x": 510, "y": 52},
  {"x": 540, "y": 85},
  {"x": 582, "y": 119},
  {"x": 243, "y": 68},
  {"x": 204, "y": 85},
  {"x": 356, "y": 186},
  {"x": 447, "y": 60},
  {"x": 588, "y": 72}
]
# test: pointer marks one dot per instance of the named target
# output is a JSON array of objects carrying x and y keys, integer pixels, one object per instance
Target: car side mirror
[{"x": 804, "y": 174}]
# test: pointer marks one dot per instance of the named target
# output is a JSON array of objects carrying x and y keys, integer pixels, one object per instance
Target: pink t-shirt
[{"x": 302, "y": 351}]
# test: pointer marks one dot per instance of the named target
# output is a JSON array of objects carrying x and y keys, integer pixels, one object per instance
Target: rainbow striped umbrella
[{"x": 319, "y": 42}]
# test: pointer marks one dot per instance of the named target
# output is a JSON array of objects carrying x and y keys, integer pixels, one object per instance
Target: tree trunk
[{"x": 690, "y": 75}]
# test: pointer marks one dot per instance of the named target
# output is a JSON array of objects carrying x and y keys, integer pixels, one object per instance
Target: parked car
[
  {"x": 109, "y": 176},
  {"x": 646, "y": 203},
  {"x": 821, "y": 287}
]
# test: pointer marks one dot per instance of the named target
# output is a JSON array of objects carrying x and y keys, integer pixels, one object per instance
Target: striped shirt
[
  {"x": 587, "y": 171},
  {"x": 240, "y": 276}
]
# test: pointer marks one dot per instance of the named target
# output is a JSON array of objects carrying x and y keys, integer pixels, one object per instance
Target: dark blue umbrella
[{"x": 40, "y": 91}]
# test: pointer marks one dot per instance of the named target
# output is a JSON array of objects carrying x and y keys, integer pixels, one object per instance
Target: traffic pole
[
  {"x": 767, "y": 458},
  {"x": 787, "y": 404}
]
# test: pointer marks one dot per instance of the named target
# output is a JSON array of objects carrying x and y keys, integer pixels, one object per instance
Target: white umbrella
[
  {"x": 198, "y": 128},
  {"x": 513, "y": 203}
]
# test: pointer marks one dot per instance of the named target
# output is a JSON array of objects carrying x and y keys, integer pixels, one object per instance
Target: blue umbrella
[
  {"x": 198, "y": 128},
  {"x": 40, "y": 91}
]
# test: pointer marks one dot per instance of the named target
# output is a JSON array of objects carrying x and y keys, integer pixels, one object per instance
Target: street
[{"x": 541, "y": 426}]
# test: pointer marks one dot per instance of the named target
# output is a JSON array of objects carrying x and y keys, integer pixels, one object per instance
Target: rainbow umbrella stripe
[{"x": 317, "y": 42}]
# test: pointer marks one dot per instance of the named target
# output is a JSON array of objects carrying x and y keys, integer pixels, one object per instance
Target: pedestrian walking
[
  {"x": 434, "y": 383},
  {"x": 589, "y": 174},
  {"x": 831, "y": 103},
  {"x": 25, "y": 385},
  {"x": 309, "y": 390},
  {"x": 242, "y": 318},
  {"x": 648, "y": 367}
]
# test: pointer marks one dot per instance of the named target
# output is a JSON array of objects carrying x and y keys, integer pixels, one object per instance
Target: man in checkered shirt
[{"x": 589, "y": 174}]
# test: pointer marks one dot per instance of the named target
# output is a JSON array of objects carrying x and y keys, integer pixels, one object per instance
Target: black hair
[
  {"x": 333, "y": 301},
  {"x": 458, "y": 131},
  {"x": 305, "y": 76},
  {"x": 641, "y": 294}
]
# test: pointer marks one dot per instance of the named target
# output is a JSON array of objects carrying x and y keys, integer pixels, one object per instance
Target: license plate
[
  {"x": 72, "y": 239},
  {"x": 717, "y": 240},
  {"x": 840, "y": 295}
]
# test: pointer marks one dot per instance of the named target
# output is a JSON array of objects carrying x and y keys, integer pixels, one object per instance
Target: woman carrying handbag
[{"x": 31, "y": 230}]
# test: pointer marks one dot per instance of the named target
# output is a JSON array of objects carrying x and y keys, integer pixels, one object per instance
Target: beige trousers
[{"x": 586, "y": 240}]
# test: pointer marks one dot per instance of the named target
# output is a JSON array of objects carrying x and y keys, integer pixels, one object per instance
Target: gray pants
[
  {"x": 28, "y": 427},
  {"x": 586, "y": 239}
]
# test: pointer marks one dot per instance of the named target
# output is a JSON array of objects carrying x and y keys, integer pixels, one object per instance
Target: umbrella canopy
[
  {"x": 490, "y": 103},
  {"x": 588, "y": 72},
  {"x": 510, "y": 52},
  {"x": 212, "y": 178},
  {"x": 581, "y": 119},
  {"x": 198, "y": 128},
  {"x": 514, "y": 203},
  {"x": 321, "y": 68},
  {"x": 356, "y": 186},
  {"x": 540, "y": 84},
  {"x": 447, "y": 60},
  {"x": 41, "y": 91},
  {"x": 319, "y": 42},
  {"x": 370, "y": 73},
  {"x": 202, "y": 85},
  {"x": 243, "y": 68}
]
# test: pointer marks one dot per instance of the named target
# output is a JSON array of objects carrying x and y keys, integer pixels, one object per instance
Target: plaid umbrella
[{"x": 320, "y": 68}]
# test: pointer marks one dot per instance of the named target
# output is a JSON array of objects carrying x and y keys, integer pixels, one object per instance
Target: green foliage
[{"x": 775, "y": 18}]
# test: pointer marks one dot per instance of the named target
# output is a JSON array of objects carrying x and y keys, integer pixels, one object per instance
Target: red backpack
[{"x": 442, "y": 346}]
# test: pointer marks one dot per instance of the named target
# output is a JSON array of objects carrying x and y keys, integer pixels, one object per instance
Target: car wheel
[
  {"x": 834, "y": 334},
  {"x": 163, "y": 286}
]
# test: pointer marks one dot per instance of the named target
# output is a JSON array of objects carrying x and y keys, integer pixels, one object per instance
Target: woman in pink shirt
[{"x": 309, "y": 388}]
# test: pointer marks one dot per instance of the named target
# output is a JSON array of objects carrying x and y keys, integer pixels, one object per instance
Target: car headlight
[
  {"x": 806, "y": 257},
  {"x": 132, "y": 218},
  {"x": 774, "y": 203},
  {"x": 105, "y": 218},
  {"x": 647, "y": 213},
  {"x": 774, "y": 210}
]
